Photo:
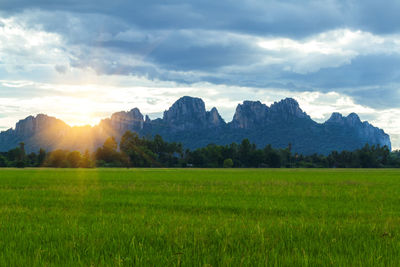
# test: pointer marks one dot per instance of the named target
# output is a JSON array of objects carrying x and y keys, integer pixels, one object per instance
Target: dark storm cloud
[
  {"x": 371, "y": 70},
  {"x": 380, "y": 17},
  {"x": 288, "y": 18},
  {"x": 378, "y": 98},
  {"x": 243, "y": 16},
  {"x": 215, "y": 41},
  {"x": 207, "y": 56},
  {"x": 371, "y": 80}
]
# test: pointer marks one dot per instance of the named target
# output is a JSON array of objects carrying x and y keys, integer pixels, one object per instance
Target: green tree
[
  {"x": 245, "y": 150},
  {"x": 3, "y": 161},
  {"x": 41, "y": 157},
  {"x": 228, "y": 163},
  {"x": 86, "y": 161},
  {"x": 137, "y": 150},
  {"x": 57, "y": 159},
  {"x": 74, "y": 159},
  {"x": 108, "y": 156}
]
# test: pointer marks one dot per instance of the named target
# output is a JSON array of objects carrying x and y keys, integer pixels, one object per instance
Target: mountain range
[{"x": 187, "y": 121}]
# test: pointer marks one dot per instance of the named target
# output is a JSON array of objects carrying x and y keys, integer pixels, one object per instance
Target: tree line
[{"x": 136, "y": 151}]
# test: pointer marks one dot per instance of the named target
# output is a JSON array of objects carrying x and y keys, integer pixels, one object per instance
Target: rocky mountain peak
[
  {"x": 131, "y": 120},
  {"x": 186, "y": 113},
  {"x": 31, "y": 125},
  {"x": 335, "y": 118},
  {"x": 187, "y": 121},
  {"x": 214, "y": 119},
  {"x": 249, "y": 114},
  {"x": 363, "y": 130},
  {"x": 288, "y": 107},
  {"x": 147, "y": 119},
  {"x": 352, "y": 119}
]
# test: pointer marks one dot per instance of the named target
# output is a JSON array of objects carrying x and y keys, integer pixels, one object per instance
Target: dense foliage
[{"x": 136, "y": 151}]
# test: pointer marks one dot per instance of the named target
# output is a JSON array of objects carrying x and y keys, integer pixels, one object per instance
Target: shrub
[{"x": 228, "y": 163}]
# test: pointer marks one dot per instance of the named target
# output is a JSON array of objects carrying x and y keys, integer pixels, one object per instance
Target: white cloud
[
  {"x": 26, "y": 48},
  {"x": 328, "y": 49}
]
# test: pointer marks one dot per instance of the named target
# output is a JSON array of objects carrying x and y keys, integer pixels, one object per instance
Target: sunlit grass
[{"x": 166, "y": 217}]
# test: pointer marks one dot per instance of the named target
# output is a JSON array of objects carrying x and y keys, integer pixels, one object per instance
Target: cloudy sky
[{"x": 82, "y": 60}]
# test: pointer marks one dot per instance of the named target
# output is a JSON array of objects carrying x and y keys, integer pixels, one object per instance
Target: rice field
[{"x": 199, "y": 217}]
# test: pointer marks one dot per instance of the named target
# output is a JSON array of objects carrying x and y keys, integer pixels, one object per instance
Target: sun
[{"x": 78, "y": 111}]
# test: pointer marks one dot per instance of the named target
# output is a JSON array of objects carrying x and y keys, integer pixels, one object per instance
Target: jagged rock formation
[
  {"x": 34, "y": 129},
  {"x": 254, "y": 114},
  {"x": 189, "y": 113},
  {"x": 214, "y": 119},
  {"x": 352, "y": 125},
  {"x": 287, "y": 109},
  {"x": 41, "y": 122},
  {"x": 121, "y": 122},
  {"x": 249, "y": 114},
  {"x": 187, "y": 121},
  {"x": 186, "y": 114}
]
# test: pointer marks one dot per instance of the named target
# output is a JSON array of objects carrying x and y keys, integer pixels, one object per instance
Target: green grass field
[{"x": 168, "y": 217}]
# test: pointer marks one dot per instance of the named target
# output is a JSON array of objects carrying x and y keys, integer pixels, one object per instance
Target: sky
[{"x": 80, "y": 61}]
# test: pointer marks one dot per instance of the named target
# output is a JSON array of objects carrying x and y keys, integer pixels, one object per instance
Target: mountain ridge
[{"x": 188, "y": 121}]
